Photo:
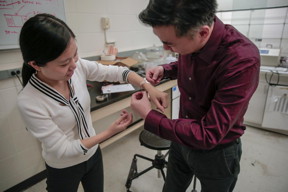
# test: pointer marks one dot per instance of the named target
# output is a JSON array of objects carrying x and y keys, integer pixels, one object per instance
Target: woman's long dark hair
[{"x": 43, "y": 38}]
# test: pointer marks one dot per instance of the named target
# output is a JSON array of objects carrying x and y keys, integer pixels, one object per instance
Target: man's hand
[
  {"x": 155, "y": 75},
  {"x": 141, "y": 104},
  {"x": 159, "y": 98}
]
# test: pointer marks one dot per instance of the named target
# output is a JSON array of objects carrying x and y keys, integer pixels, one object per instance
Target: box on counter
[{"x": 120, "y": 61}]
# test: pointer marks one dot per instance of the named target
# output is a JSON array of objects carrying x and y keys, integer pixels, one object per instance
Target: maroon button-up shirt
[{"x": 216, "y": 85}]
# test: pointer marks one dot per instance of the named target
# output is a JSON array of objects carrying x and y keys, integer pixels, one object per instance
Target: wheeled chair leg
[
  {"x": 133, "y": 173},
  {"x": 154, "y": 142},
  {"x": 163, "y": 174}
]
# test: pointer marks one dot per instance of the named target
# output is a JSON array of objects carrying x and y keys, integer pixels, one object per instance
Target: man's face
[{"x": 182, "y": 45}]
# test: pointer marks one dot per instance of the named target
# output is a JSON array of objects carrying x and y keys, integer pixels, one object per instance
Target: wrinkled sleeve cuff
[{"x": 152, "y": 121}]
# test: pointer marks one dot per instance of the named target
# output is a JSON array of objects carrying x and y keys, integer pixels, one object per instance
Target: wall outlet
[
  {"x": 105, "y": 22},
  {"x": 10, "y": 73}
]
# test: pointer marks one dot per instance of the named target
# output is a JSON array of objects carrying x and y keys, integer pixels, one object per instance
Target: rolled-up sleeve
[{"x": 98, "y": 72}]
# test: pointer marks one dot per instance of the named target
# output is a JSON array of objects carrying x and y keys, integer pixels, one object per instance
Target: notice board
[{"x": 14, "y": 13}]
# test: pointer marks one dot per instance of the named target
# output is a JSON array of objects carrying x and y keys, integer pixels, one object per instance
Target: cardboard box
[{"x": 121, "y": 61}]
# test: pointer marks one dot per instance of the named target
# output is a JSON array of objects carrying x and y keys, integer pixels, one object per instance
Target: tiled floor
[{"x": 264, "y": 165}]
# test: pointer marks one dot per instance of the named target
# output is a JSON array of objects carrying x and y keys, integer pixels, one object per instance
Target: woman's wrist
[{"x": 142, "y": 83}]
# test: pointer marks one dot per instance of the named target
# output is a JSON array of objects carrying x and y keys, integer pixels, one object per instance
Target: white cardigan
[{"x": 54, "y": 125}]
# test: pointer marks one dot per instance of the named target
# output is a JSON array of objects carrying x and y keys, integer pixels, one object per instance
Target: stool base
[{"x": 158, "y": 162}]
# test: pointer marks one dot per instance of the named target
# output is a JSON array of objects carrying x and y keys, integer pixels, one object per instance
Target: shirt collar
[{"x": 210, "y": 49}]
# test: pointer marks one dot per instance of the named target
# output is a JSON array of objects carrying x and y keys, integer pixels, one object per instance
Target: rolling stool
[{"x": 154, "y": 142}]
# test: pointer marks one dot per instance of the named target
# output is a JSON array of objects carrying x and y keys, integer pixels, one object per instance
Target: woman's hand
[
  {"x": 159, "y": 98},
  {"x": 121, "y": 123}
]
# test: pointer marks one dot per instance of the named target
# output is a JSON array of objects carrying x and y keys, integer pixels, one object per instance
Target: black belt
[{"x": 220, "y": 146}]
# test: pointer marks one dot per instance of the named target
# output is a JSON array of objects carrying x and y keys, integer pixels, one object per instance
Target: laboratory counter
[{"x": 103, "y": 112}]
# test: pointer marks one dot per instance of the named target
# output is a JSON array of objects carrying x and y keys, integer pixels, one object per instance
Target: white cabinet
[
  {"x": 255, "y": 111},
  {"x": 268, "y": 107},
  {"x": 276, "y": 109}
]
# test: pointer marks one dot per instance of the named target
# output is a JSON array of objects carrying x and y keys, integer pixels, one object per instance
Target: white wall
[
  {"x": 269, "y": 25},
  {"x": 126, "y": 30},
  {"x": 19, "y": 152}
]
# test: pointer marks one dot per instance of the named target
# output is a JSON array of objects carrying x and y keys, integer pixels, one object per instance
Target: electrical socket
[
  {"x": 15, "y": 72},
  {"x": 105, "y": 22},
  {"x": 10, "y": 73}
]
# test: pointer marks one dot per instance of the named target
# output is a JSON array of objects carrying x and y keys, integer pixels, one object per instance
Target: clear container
[
  {"x": 154, "y": 53},
  {"x": 110, "y": 49}
]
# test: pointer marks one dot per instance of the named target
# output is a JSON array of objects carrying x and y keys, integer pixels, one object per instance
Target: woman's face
[{"x": 61, "y": 68}]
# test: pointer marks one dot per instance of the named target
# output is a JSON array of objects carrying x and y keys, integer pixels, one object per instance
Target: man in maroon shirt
[{"x": 217, "y": 73}]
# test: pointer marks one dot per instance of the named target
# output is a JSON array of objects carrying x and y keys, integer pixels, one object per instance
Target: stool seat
[{"x": 152, "y": 141}]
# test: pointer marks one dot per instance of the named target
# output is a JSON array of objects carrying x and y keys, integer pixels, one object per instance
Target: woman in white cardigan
[{"x": 55, "y": 103}]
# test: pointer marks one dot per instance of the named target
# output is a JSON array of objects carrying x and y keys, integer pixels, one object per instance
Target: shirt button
[
  {"x": 190, "y": 98},
  {"x": 190, "y": 78},
  {"x": 186, "y": 116}
]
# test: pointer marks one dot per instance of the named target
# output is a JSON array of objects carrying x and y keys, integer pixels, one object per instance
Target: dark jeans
[
  {"x": 216, "y": 169},
  {"x": 89, "y": 173}
]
